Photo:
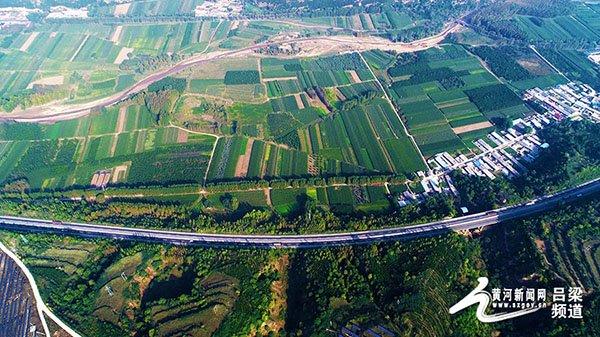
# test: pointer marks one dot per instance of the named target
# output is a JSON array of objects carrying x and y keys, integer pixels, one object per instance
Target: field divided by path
[{"x": 446, "y": 96}]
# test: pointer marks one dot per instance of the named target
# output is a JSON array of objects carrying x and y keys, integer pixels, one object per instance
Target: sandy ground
[
  {"x": 79, "y": 48},
  {"x": 116, "y": 36},
  {"x": 299, "y": 101},
  {"x": 472, "y": 127},
  {"x": 354, "y": 76},
  {"x": 346, "y": 43},
  {"x": 53, "y": 80},
  {"x": 29, "y": 41},
  {"x": 121, "y": 9},
  {"x": 241, "y": 168},
  {"x": 122, "y": 55}
]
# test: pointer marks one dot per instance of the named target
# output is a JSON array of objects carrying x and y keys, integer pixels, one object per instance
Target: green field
[
  {"x": 263, "y": 160},
  {"x": 440, "y": 89},
  {"x": 580, "y": 26},
  {"x": 389, "y": 19},
  {"x": 574, "y": 64},
  {"x": 362, "y": 136},
  {"x": 69, "y": 153},
  {"x": 287, "y": 200}
]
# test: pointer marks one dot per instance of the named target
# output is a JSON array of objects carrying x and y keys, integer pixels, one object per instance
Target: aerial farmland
[
  {"x": 252, "y": 111},
  {"x": 299, "y": 168}
]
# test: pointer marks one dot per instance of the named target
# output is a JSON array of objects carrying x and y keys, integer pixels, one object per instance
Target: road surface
[
  {"x": 41, "y": 306},
  {"x": 304, "y": 241}
]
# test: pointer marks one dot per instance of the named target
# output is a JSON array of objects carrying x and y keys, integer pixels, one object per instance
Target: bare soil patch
[
  {"x": 299, "y": 101},
  {"x": 347, "y": 43},
  {"x": 316, "y": 102},
  {"x": 116, "y": 36},
  {"x": 535, "y": 66},
  {"x": 472, "y": 127},
  {"x": 182, "y": 136},
  {"x": 339, "y": 94},
  {"x": 29, "y": 41},
  {"x": 122, "y": 56},
  {"x": 46, "y": 81},
  {"x": 353, "y": 76},
  {"x": 241, "y": 168},
  {"x": 121, "y": 119},
  {"x": 267, "y": 196},
  {"x": 121, "y": 9},
  {"x": 119, "y": 173},
  {"x": 540, "y": 245}
]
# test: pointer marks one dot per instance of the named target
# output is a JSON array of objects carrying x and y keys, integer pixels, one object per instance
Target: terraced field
[
  {"x": 575, "y": 253},
  {"x": 162, "y": 284}
]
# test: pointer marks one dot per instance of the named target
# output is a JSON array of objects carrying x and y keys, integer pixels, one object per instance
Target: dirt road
[{"x": 314, "y": 46}]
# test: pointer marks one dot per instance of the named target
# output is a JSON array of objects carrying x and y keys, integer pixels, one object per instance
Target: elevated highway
[{"x": 304, "y": 240}]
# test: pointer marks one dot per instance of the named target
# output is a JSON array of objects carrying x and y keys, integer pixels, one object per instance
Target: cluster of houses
[
  {"x": 219, "y": 9},
  {"x": 16, "y": 17},
  {"x": 63, "y": 12},
  {"x": 503, "y": 152},
  {"x": 571, "y": 100},
  {"x": 19, "y": 17}
]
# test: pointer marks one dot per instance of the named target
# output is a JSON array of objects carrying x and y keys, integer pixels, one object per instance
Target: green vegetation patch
[
  {"x": 235, "y": 77},
  {"x": 493, "y": 97},
  {"x": 286, "y": 201}
]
